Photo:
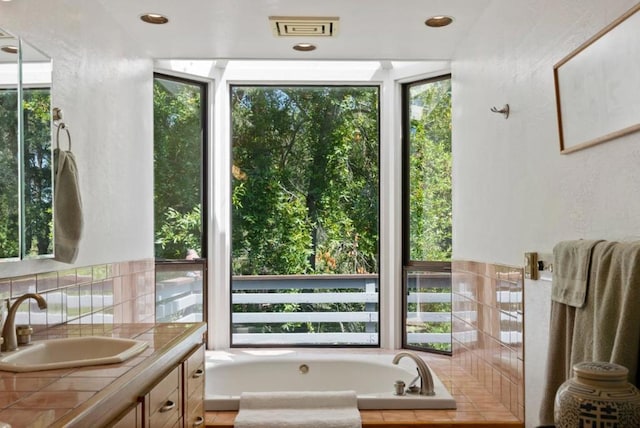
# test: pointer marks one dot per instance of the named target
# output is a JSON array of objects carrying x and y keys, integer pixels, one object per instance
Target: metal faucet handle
[
  {"x": 9, "y": 329},
  {"x": 424, "y": 373}
]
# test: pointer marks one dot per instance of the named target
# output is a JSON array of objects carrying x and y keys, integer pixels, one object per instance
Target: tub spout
[
  {"x": 426, "y": 379},
  {"x": 9, "y": 330}
]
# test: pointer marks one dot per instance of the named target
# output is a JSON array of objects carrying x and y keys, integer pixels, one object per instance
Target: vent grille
[{"x": 302, "y": 26}]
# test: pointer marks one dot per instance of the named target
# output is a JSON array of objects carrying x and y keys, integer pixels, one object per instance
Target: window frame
[
  {"x": 409, "y": 264},
  {"x": 22, "y": 187},
  {"x": 205, "y": 174},
  {"x": 204, "y": 154},
  {"x": 284, "y": 84}
]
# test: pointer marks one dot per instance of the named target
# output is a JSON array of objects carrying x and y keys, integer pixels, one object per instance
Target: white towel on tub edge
[{"x": 299, "y": 409}]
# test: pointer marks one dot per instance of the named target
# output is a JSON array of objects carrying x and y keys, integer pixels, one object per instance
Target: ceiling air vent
[{"x": 303, "y": 26}]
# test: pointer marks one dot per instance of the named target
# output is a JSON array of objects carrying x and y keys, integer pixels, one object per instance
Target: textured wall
[
  {"x": 105, "y": 91},
  {"x": 512, "y": 187},
  {"x": 513, "y": 191}
]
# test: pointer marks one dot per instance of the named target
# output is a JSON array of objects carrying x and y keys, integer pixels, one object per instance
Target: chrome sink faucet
[
  {"x": 426, "y": 379},
  {"x": 9, "y": 330}
]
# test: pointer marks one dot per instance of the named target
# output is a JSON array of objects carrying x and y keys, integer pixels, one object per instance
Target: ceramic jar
[{"x": 598, "y": 395}]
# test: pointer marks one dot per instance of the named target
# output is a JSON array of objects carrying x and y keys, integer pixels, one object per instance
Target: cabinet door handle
[
  {"x": 199, "y": 421},
  {"x": 167, "y": 406},
  {"x": 198, "y": 373}
]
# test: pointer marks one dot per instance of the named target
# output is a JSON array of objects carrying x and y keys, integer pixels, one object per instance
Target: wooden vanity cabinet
[
  {"x": 162, "y": 406},
  {"x": 177, "y": 399},
  {"x": 130, "y": 418},
  {"x": 193, "y": 375},
  {"x": 161, "y": 388}
]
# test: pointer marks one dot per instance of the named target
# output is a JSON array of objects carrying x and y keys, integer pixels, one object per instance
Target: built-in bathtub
[{"x": 371, "y": 376}]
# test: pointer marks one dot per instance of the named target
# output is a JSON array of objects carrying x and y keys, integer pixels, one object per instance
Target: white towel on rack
[
  {"x": 299, "y": 409},
  {"x": 67, "y": 207},
  {"x": 571, "y": 261}
]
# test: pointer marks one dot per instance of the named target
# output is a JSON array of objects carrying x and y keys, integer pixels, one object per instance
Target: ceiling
[{"x": 240, "y": 29}]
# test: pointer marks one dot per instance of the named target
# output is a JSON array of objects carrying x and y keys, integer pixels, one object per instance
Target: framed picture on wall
[{"x": 598, "y": 86}]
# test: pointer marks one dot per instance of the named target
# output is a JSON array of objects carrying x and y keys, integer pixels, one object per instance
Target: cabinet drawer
[
  {"x": 177, "y": 424},
  {"x": 129, "y": 419},
  {"x": 168, "y": 412},
  {"x": 195, "y": 380},
  {"x": 194, "y": 400},
  {"x": 195, "y": 413},
  {"x": 194, "y": 371},
  {"x": 164, "y": 401}
]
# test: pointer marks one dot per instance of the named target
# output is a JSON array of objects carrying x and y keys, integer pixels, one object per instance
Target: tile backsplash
[
  {"x": 488, "y": 329},
  {"x": 102, "y": 294},
  {"x": 488, "y": 313}
]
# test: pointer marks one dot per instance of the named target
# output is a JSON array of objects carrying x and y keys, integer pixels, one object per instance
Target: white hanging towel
[{"x": 67, "y": 207}]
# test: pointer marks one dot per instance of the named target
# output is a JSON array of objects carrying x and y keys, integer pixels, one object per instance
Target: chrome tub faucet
[{"x": 426, "y": 379}]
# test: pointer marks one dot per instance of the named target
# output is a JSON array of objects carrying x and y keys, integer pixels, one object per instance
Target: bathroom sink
[{"x": 70, "y": 352}]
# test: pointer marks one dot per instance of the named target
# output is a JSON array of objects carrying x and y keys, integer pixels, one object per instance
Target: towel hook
[
  {"x": 63, "y": 126},
  {"x": 56, "y": 115},
  {"x": 57, "y": 121},
  {"x": 504, "y": 110}
]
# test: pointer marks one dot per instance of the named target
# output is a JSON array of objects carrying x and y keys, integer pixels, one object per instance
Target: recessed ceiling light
[
  {"x": 154, "y": 18},
  {"x": 304, "y": 47},
  {"x": 9, "y": 49},
  {"x": 438, "y": 21}
]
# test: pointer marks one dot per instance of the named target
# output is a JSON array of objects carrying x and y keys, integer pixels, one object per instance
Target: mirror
[
  {"x": 26, "y": 180},
  {"x": 9, "y": 193}
]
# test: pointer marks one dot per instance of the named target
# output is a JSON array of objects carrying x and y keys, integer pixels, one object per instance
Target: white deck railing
[
  {"x": 256, "y": 320},
  {"x": 258, "y": 293}
]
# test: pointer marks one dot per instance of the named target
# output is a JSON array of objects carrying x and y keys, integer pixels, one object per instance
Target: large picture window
[{"x": 305, "y": 195}]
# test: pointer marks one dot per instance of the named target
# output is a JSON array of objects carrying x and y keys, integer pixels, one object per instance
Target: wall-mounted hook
[
  {"x": 504, "y": 110},
  {"x": 57, "y": 114}
]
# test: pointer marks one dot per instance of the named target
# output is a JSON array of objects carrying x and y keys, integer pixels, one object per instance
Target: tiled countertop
[
  {"x": 476, "y": 407},
  {"x": 66, "y": 397}
]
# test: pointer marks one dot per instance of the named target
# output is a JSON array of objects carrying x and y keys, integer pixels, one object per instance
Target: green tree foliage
[
  {"x": 37, "y": 173},
  {"x": 179, "y": 232},
  {"x": 305, "y": 182},
  {"x": 430, "y": 171},
  {"x": 177, "y": 167},
  {"x": 9, "y": 216}
]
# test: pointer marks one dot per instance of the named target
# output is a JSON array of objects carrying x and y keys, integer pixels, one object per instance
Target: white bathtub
[{"x": 371, "y": 376}]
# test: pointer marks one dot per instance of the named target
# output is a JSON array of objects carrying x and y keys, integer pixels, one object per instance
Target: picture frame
[{"x": 597, "y": 86}]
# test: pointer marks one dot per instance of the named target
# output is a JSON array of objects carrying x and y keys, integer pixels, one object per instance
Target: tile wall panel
[
  {"x": 5, "y": 288},
  {"x": 488, "y": 328},
  {"x": 89, "y": 295}
]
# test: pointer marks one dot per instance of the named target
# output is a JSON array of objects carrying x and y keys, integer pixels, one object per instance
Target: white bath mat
[{"x": 326, "y": 409}]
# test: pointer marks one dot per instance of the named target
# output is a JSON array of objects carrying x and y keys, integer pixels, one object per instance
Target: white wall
[
  {"x": 105, "y": 92},
  {"x": 513, "y": 190}
]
